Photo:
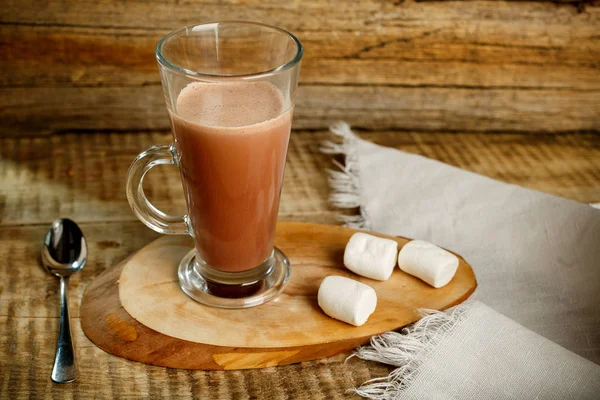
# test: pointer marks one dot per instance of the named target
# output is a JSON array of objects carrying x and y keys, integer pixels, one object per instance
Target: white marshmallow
[
  {"x": 371, "y": 256},
  {"x": 347, "y": 300},
  {"x": 428, "y": 262}
]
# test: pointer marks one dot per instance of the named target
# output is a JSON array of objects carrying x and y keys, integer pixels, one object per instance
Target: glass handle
[{"x": 142, "y": 208}]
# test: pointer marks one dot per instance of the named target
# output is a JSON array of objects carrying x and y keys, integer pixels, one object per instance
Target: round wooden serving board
[{"x": 171, "y": 330}]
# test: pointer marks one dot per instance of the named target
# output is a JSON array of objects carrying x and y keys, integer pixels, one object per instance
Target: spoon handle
[{"x": 65, "y": 368}]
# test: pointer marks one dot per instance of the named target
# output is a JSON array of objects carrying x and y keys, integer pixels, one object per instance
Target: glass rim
[{"x": 163, "y": 61}]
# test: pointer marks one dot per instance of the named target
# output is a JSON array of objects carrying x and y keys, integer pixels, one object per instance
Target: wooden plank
[
  {"x": 308, "y": 15},
  {"x": 478, "y": 74},
  {"x": 29, "y": 307},
  {"x": 50, "y": 56},
  {"x": 429, "y": 51},
  {"x": 58, "y": 56},
  {"x": 48, "y": 110},
  {"x": 563, "y": 165},
  {"x": 83, "y": 176},
  {"x": 440, "y": 109},
  {"x": 30, "y": 292}
]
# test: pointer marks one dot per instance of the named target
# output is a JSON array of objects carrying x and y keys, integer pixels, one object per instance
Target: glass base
[{"x": 245, "y": 289}]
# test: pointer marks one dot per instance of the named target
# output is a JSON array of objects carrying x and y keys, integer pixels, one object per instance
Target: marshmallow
[
  {"x": 428, "y": 262},
  {"x": 347, "y": 300},
  {"x": 371, "y": 256}
]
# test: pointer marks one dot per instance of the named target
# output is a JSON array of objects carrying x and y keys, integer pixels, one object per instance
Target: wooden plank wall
[{"x": 442, "y": 66}]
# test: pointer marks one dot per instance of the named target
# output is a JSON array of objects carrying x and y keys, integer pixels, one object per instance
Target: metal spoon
[{"x": 64, "y": 253}]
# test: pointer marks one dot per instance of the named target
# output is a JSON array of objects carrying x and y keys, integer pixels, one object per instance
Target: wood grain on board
[
  {"x": 137, "y": 310},
  {"x": 425, "y": 66}
]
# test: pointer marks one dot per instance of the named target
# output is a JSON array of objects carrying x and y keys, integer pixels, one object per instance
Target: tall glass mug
[{"x": 229, "y": 88}]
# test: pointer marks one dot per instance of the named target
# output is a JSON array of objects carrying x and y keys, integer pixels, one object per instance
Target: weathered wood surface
[
  {"x": 433, "y": 65},
  {"x": 430, "y": 109},
  {"x": 29, "y": 310},
  {"x": 82, "y": 177}
]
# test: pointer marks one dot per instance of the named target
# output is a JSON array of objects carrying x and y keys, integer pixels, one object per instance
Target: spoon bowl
[
  {"x": 64, "y": 253},
  {"x": 65, "y": 248}
]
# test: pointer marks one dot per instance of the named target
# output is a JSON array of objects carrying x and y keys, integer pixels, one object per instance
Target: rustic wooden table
[
  {"x": 82, "y": 177},
  {"x": 507, "y": 89}
]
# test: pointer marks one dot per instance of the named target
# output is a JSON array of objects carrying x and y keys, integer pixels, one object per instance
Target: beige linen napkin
[
  {"x": 473, "y": 352},
  {"x": 536, "y": 256}
]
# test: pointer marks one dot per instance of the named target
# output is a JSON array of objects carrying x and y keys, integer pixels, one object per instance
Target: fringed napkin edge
[
  {"x": 345, "y": 182},
  {"x": 407, "y": 350}
]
